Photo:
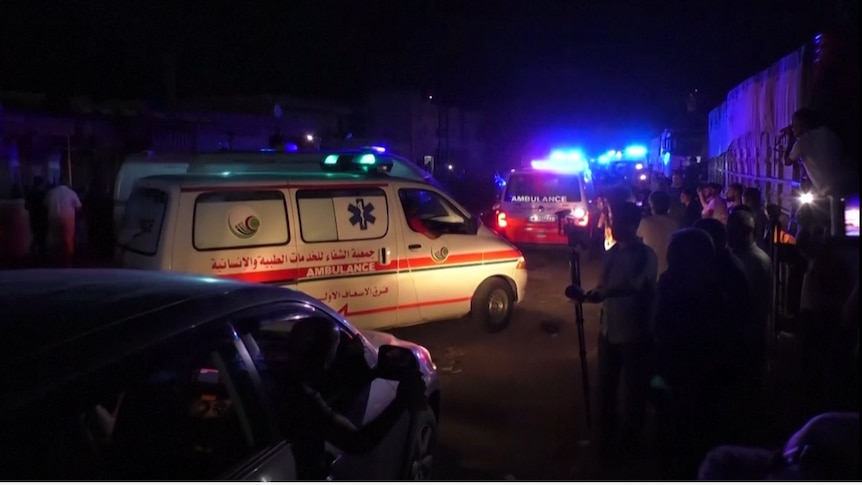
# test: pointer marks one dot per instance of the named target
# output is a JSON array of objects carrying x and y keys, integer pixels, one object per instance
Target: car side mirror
[
  {"x": 396, "y": 363},
  {"x": 473, "y": 224}
]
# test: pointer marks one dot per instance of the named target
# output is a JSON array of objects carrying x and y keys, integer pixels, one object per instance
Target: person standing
[
  {"x": 693, "y": 209},
  {"x": 626, "y": 290},
  {"x": 63, "y": 205},
  {"x": 734, "y": 195},
  {"x": 38, "y": 213},
  {"x": 819, "y": 151},
  {"x": 714, "y": 207},
  {"x": 655, "y": 231}
]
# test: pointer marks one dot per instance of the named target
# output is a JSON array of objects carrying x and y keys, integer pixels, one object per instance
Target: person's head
[
  {"x": 740, "y": 227},
  {"x": 773, "y": 211},
  {"x": 734, "y": 192},
  {"x": 687, "y": 195},
  {"x": 715, "y": 188},
  {"x": 690, "y": 250},
  {"x": 804, "y": 119},
  {"x": 659, "y": 202},
  {"x": 716, "y": 231},
  {"x": 676, "y": 179},
  {"x": 625, "y": 219},
  {"x": 312, "y": 344},
  {"x": 826, "y": 448},
  {"x": 751, "y": 198}
]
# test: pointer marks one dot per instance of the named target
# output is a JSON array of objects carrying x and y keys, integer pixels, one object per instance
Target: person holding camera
[
  {"x": 626, "y": 291},
  {"x": 818, "y": 149}
]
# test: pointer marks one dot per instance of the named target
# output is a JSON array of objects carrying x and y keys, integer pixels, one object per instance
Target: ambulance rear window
[
  {"x": 247, "y": 219},
  {"x": 543, "y": 187},
  {"x": 142, "y": 221}
]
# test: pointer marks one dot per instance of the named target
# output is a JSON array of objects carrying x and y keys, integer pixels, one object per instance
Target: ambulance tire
[{"x": 493, "y": 304}]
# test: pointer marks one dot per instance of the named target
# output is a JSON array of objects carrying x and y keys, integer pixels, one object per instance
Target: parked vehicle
[{"x": 144, "y": 375}]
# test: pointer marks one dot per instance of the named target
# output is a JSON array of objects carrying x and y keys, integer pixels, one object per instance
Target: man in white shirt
[
  {"x": 714, "y": 206},
  {"x": 819, "y": 150},
  {"x": 655, "y": 230},
  {"x": 63, "y": 205}
]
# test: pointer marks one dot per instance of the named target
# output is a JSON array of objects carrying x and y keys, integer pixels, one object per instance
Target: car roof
[
  {"x": 272, "y": 178},
  {"x": 59, "y": 315}
]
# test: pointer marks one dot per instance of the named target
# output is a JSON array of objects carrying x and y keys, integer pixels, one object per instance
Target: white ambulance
[
  {"x": 383, "y": 251},
  {"x": 138, "y": 166}
]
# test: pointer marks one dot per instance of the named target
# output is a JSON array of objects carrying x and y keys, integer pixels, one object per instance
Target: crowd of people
[{"x": 686, "y": 320}]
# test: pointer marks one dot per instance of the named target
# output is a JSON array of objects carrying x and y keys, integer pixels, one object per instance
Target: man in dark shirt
[{"x": 626, "y": 290}]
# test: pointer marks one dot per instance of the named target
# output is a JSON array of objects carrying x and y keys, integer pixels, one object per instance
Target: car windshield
[{"x": 543, "y": 187}]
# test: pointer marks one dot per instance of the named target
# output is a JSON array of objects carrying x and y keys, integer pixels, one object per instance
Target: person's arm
[
  {"x": 707, "y": 210},
  {"x": 793, "y": 152},
  {"x": 639, "y": 280},
  {"x": 342, "y": 433}
]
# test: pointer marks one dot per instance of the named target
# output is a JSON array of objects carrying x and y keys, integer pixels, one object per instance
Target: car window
[
  {"x": 184, "y": 418},
  {"x": 142, "y": 221},
  {"x": 240, "y": 219},
  {"x": 543, "y": 187},
  {"x": 427, "y": 212},
  {"x": 279, "y": 353}
]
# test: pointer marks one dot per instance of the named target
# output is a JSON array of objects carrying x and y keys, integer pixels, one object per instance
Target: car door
[
  {"x": 351, "y": 388},
  {"x": 185, "y": 409},
  {"x": 347, "y": 253},
  {"x": 444, "y": 256}
]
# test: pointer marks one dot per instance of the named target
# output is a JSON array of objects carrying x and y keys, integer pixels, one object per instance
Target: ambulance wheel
[{"x": 492, "y": 304}]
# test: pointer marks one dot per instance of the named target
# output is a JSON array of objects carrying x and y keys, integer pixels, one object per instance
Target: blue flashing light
[
  {"x": 560, "y": 166},
  {"x": 635, "y": 151},
  {"x": 267, "y": 150},
  {"x": 604, "y": 159},
  {"x": 367, "y": 159},
  {"x": 378, "y": 149},
  {"x": 665, "y": 158},
  {"x": 567, "y": 156},
  {"x": 330, "y": 160}
]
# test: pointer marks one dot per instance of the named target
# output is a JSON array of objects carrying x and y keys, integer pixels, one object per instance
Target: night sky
[{"x": 608, "y": 61}]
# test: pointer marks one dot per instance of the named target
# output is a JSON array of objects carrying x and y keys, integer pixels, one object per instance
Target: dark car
[{"x": 126, "y": 375}]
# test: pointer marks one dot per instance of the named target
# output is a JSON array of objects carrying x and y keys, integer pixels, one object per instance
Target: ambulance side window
[
  {"x": 331, "y": 215},
  {"x": 428, "y": 210},
  {"x": 240, "y": 219}
]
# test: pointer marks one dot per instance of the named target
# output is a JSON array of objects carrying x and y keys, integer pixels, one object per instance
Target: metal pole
[
  {"x": 69, "y": 159},
  {"x": 575, "y": 267}
]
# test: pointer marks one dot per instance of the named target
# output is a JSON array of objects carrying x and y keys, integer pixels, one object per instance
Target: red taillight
[{"x": 501, "y": 219}]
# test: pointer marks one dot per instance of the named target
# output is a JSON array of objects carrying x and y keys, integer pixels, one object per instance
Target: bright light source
[
  {"x": 225, "y": 174},
  {"x": 367, "y": 159},
  {"x": 309, "y": 137},
  {"x": 430, "y": 97},
  {"x": 618, "y": 155},
  {"x": 330, "y": 160},
  {"x": 643, "y": 176},
  {"x": 635, "y": 151},
  {"x": 604, "y": 159},
  {"x": 501, "y": 219},
  {"x": 559, "y": 166},
  {"x": 567, "y": 155},
  {"x": 806, "y": 198},
  {"x": 639, "y": 166},
  {"x": 579, "y": 212},
  {"x": 449, "y": 167},
  {"x": 378, "y": 149}
]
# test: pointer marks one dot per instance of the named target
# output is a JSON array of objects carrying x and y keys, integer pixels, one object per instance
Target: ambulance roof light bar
[{"x": 362, "y": 163}]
